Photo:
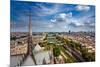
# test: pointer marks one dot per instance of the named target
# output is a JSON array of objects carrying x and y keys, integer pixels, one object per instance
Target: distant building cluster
[
  {"x": 86, "y": 39},
  {"x": 41, "y": 55},
  {"x": 18, "y": 49}
]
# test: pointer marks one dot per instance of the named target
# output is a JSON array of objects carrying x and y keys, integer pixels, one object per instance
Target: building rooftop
[
  {"x": 37, "y": 48},
  {"x": 28, "y": 62}
]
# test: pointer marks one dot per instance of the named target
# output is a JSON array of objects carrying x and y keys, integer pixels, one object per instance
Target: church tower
[{"x": 30, "y": 35}]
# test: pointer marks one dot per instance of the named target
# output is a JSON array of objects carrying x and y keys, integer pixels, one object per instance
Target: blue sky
[{"x": 52, "y": 17}]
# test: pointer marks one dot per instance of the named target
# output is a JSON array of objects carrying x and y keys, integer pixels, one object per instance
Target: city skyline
[
  {"x": 51, "y": 33},
  {"x": 52, "y": 17}
]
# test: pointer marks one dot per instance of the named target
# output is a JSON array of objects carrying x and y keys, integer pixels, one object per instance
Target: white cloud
[
  {"x": 50, "y": 26},
  {"x": 65, "y": 15},
  {"x": 69, "y": 14},
  {"x": 83, "y": 22},
  {"x": 62, "y": 15},
  {"x": 77, "y": 22},
  {"x": 44, "y": 10},
  {"x": 82, "y": 8},
  {"x": 53, "y": 20}
]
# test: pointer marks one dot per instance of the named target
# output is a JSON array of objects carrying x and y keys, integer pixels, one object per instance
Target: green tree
[
  {"x": 56, "y": 51},
  {"x": 13, "y": 38},
  {"x": 87, "y": 55}
]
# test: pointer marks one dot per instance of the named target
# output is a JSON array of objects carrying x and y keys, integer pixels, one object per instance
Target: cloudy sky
[{"x": 52, "y": 17}]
